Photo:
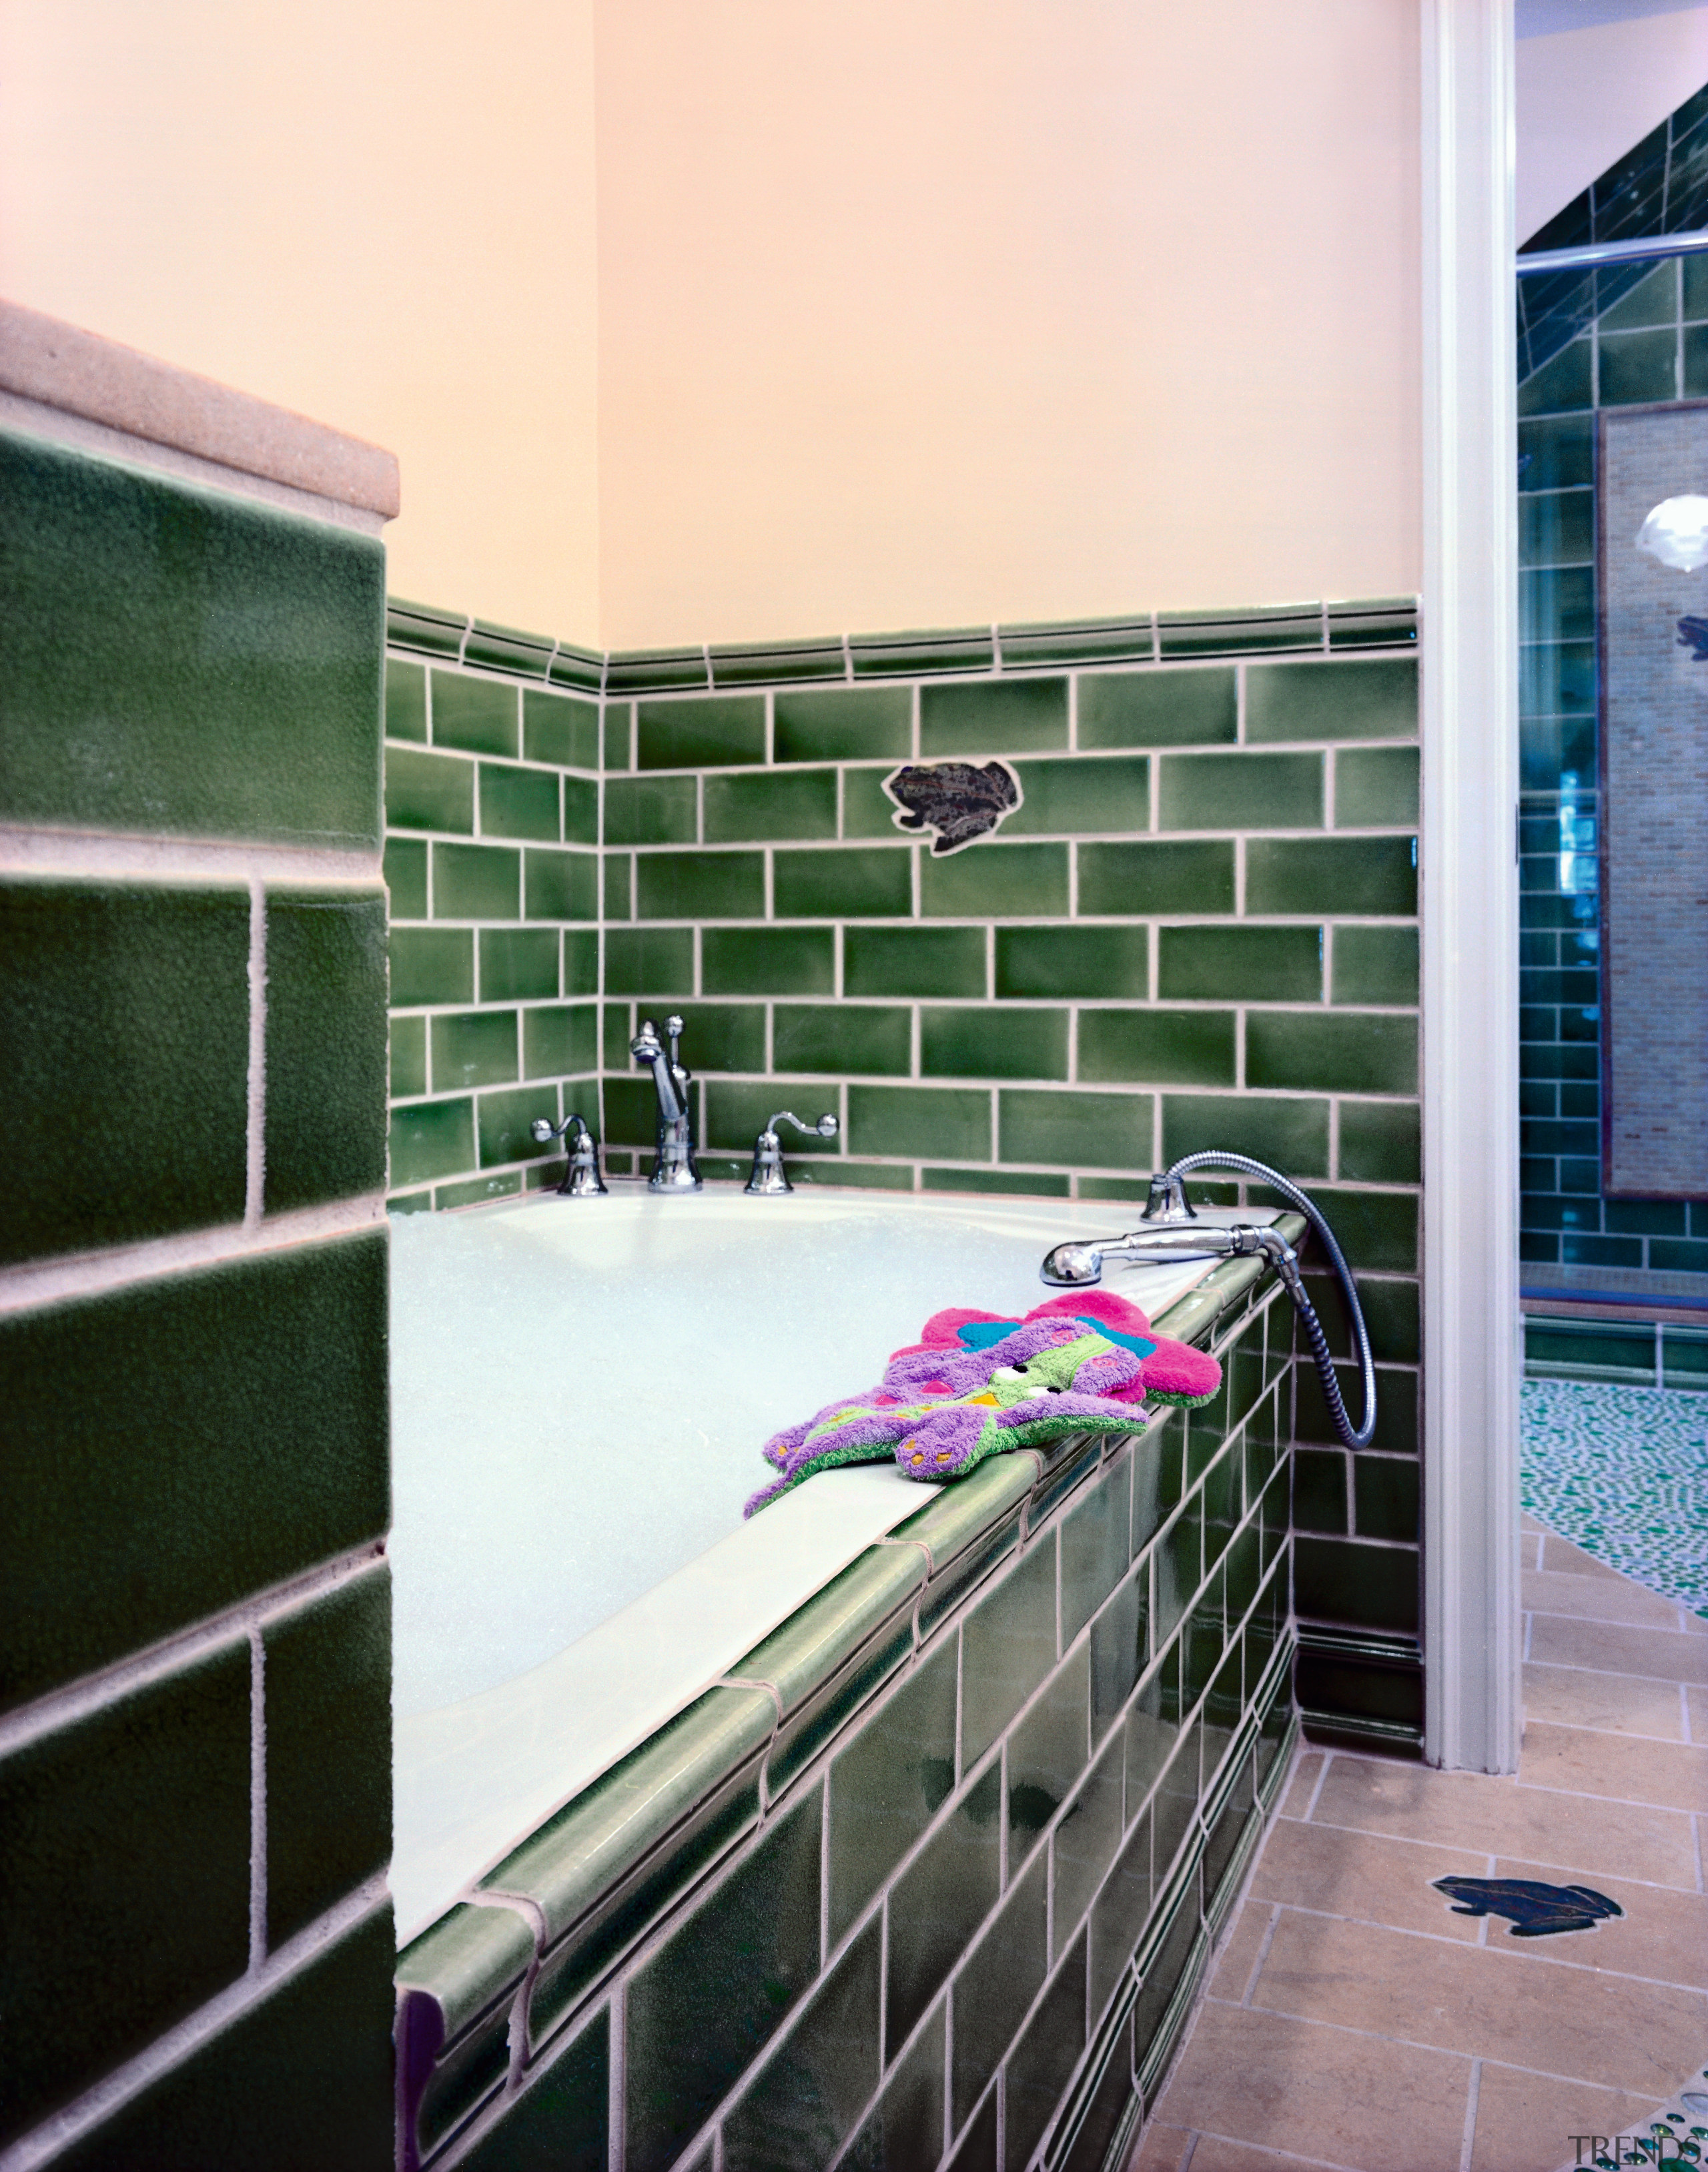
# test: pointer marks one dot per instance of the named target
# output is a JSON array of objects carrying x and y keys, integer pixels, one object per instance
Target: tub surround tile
[
  {"x": 507, "y": 648},
  {"x": 896, "y": 961},
  {"x": 1225, "y": 633},
  {"x": 770, "y": 961},
  {"x": 479, "y": 716},
  {"x": 406, "y": 701},
  {"x": 559, "y": 729},
  {"x": 1355, "y": 699},
  {"x": 1240, "y": 790},
  {"x": 830, "y": 1627},
  {"x": 1040, "y": 2066},
  {"x": 519, "y": 802},
  {"x": 758, "y": 664},
  {"x": 324, "y": 1137},
  {"x": 856, "y": 723},
  {"x": 424, "y": 630},
  {"x": 888, "y": 1785},
  {"x": 432, "y": 965},
  {"x": 712, "y": 734}
]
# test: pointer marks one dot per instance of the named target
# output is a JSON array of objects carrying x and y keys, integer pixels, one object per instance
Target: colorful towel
[{"x": 1169, "y": 1372}]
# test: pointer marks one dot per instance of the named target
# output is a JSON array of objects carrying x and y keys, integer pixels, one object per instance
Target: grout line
[
  {"x": 1268, "y": 1940},
  {"x": 1684, "y": 1712},
  {"x": 257, "y": 1800},
  {"x": 1328, "y": 1757},
  {"x": 616, "y": 2123},
  {"x": 178, "y": 859},
  {"x": 255, "y": 1138},
  {"x": 824, "y": 1865},
  {"x": 1189, "y": 2152}
]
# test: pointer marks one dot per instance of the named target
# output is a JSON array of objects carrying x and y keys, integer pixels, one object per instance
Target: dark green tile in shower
[
  {"x": 561, "y": 2121},
  {"x": 127, "y": 1832},
  {"x": 770, "y": 806},
  {"x": 559, "y": 1041},
  {"x": 995, "y": 881},
  {"x": 1380, "y": 1143},
  {"x": 1058, "y": 962},
  {"x": 1378, "y": 623},
  {"x": 630, "y": 1112},
  {"x": 989, "y": 716},
  {"x": 841, "y": 1038},
  {"x": 405, "y": 867},
  {"x": 557, "y": 728},
  {"x": 810, "y": 2096},
  {"x": 908, "y": 655},
  {"x": 1694, "y": 362},
  {"x": 1257, "y": 965},
  {"x": 1341, "y": 1052},
  {"x": 1156, "y": 708},
  {"x": 1241, "y": 791},
  {"x": 1557, "y": 604},
  {"x": 1377, "y": 1230},
  {"x": 715, "y": 1036},
  {"x": 1319, "y": 1490},
  {"x": 618, "y": 888},
  {"x": 432, "y": 965},
  {"x": 1118, "y": 1920},
  {"x": 580, "y": 961},
  {"x": 736, "y": 1110},
  {"x": 993, "y": 1041},
  {"x": 1075, "y": 1130},
  {"x": 560, "y": 885},
  {"x": 889, "y": 1783},
  {"x": 1557, "y": 527},
  {"x": 519, "y": 802},
  {"x": 1654, "y": 300},
  {"x": 1375, "y": 965},
  {"x": 1046, "y": 1754},
  {"x": 481, "y": 716},
  {"x": 1149, "y": 1047},
  {"x": 1557, "y": 679},
  {"x": 938, "y": 1902},
  {"x": 476, "y": 882},
  {"x": 517, "y": 963},
  {"x": 429, "y": 1139},
  {"x": 429, "y": 792},
  {"x": 994, "y": 1989},
  {"x": 1390, "y": 1310},
  {"x": 950, "y": 1121},
  {"x": 1376, "y": 787},
  {"x": 856, "y": 723},
  {"x": 906, "y": 2125},
  {"x": 406, "y": 701},
  {"x": 1331, "y": 874},
  {"x": 184, "y": 661},
  {"x": 867, "y": 882},
  {"x": 1075, "y": 796},
  {"x": 1007, "y": 1647},
  {"x": 1044, "y": 2059},
  {"x": 651, "y": 810},
  {"x": 1558, "y": 453},
  {"x": 1159, "y": 877},
  {"x": 188, "y": 1388},
  {"x": 1339, "y": 1580},
  {"x": 1385, "y": 1497},
  {"x": 617, "y": 732},
  {"x": 1361, "y": 698},
  {"x": 1153, "y": 1724},
  {"x": 1175, "y": 1802},
  {"x": 1638, "y": 367},
  {"x": 699, "y": 886},
  {"x": 908, "y": 961},
  {"x": 408, "y": 1054},
  {"x": 758, "y": 961},
  {"x": 124, "y": 996},
  {"x": 473, "y": 1048},
  {"x": 1562, "y": 383},
  {"x": 712, "y": 734},
  {"x": 323, "y": 1134},
  {"x": 1288, "y": 1134}
]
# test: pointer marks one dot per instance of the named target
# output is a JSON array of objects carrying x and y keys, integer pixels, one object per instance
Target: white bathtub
[{"x": 580, "y": 1391}]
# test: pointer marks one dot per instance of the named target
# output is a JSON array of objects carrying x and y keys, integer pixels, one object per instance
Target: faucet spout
[{"x": 673, "y": 1167}]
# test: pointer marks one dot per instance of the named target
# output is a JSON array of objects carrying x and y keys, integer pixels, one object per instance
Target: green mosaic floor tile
[
  {"x": 559, "y": 1040},
  {"x": 993, "y": 1041},
  {"x": 1260, "y": 964},
  {"x": 1376, "y": 787},
  {"x": 841, "y": 1040},
  {"x": 872, "y": 882},
  {"x": 324, "y": 1128},
  {"x": 406, "y": 701},
  {"x": 1074, "y": 961},
  {"x": 1240, "y": 791},
  {"x": 711, "y": 733},
  {"x": 1347, "y": 1052},
  {"x": 1160, "y": 876},
  {"x": 476, "y": 882},
  {"x": 896, "y": 961},
  {"x": 480, "y": 716},
  {"x": 1172, "y": 1048},
  {"x": 1075, "y": 1130},
  {"x": 517, "y": 963},
  {"x": 991, "y": 881},
  {"x": 557, "y": 728},
  {"x": 757, "y": 961},
  {"x": 1076, "y": 797},
  {"x": 405, "y": 867},
  {"x": 989, "y": 717},
  {"x": 1157, "y": 708},
  {"x": 429, "y": 792},
  {"x": 651, "y": 810},
  {"x": 1331, "y": 874},
  {"x": 769, "y": 807},
  {"x": 953, "y": 1122},
  {"x": 560, "y": 885},
  {"x": 856, "y": 723},
  {"x": 429, "y": 1139},
  {"x": 473, "y": 1048},
  {"x": 1375, "y": 965},
  {"x": 699, "y": 886},
  {"x": 432, "y": 965},
  {"x": 519, "y": 802},
  {"x": 1373, "y": 698},
  {"x": 1289, "y": 1134}
]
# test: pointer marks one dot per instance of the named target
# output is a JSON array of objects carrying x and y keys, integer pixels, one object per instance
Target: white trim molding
[{"x": 1472, "y": 1708}]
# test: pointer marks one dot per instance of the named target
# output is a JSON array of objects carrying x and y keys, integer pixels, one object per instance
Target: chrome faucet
[
  {"x": 768, "y": 1178},
  {"x": 581, "y": 1178},
  {"x": 673, "y": 1167}
]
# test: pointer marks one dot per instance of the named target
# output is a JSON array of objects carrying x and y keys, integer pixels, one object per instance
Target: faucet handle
[
  {"x": 769, "y": 1180},
  {"x": 581, "y": 1178}
]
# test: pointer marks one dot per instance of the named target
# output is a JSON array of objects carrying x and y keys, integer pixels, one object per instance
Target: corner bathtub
[{"x": 580, "y": 1392}]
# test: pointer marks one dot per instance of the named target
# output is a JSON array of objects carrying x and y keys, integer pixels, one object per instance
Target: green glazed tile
[
  {"x": 408, "y": 1066},
  {"x": 619, "y": 719},
  {"x": 705, "y": 735},
  {"x": 1240, "y": 791},
  {"x": 583, "y": 668},
  {"x": 1654, "y": 300},
  {"x": 1555, "y": 678},
  {"x": 700, "y": 886},
  {"x": 1086, "y": 1839},
  {"x": 758, "y": 961},
  {"x": 820, "y": 2082},
  {"x": 518, "y": 803},
  {"x": 1153, "y": 1724},
  {"x": 1396, "y": 1407},
  {"x": 473, "y": 1048},
  {"x": 1157, "y": 708},
  {"x": 1557, "y": 604},
  {"x": 406, "y": 701},
  {"x": 994, "y": 1989},
  {"x": 1562, "y": 453},
  {"x": 1331, "y": 874},
  {"x": 421, "y": 628},
  {"x": 1385, "y": 1492},
  {"x": 1235, "y": 633},
  {"x": 1024, "y": 1183},
  {"x": 860, "y": 1176},
  {"x": 992, "y": 715},
  {"x": 1339, "y": 1580},
  {"x": 960, "y": 1515},
  {"x": 1258, "y": 965},
  {"x": 1046, "y": 1754},
  {"x": 1075, "y": 1130},
  {"x": 1377, "y": 1230},
  {"x": 867, "y": 809},
  {"x": 557, "y": 728},
  {"x": 1075, "y": 795},
  {"x": 1694, "y": 362},
  {"x": 504, "y": 1122},
  {"x": 979, "y": 2145},
  {"x": 463, "y": 1962},
  {"x": 715, "y": 1036},
  {"x": 562, "y": 2119},
  {"x": 630, "y": 1112},
  {"x": 1008, "y": 1648},
  {"x": 1379, "y": 624},
  {"x": 889, "y": 1783},
  {"x": 480, "y": 716},
  {"x": 1042, "y": 2063},
  {"x": 771, "y": 806},
  {"x": 476, "y": 882},
  {"x": 618, "y": 886},
  {"x": 1638, "y": 367},
  {"x": 1165, "y": 877},
  {"x": 761, "y": 664},
  {"x": 559, "y": 1041},
  {"x": 477, "y": 1191},
  {"x": 1319, "y": 1490},
  {"x": 1094, "y": 1547},
  {"x": 183, "y": 661},
  {"x": 324, "y": 1133},
  {"x": 841, "y": 1040},
  {"x": 1057, "y": 962},
  {"x": 940, "y": 1901},
  {"x": 953, "y": 1122},
  {"x": 856, "y": 723},
  {"x": 703, "y": 2007},
  {"x": 898, "y": 961},
  {"x": 804, "y": 1652},
  {"x": 429, "y": 792},
  {"x": 1170, "y": 1048},
  {"x": 1118, "y": 1650},
  {"x": 655, "y": 670},
  {"x": 113, "y": 991},
  {"x": 517, "y": 963},
  {"x": 405, "y": 870},
  {"x": 328, "y": 1735},
  {"x": 993, "y": 1041},
  {"x": 409, "y": 1202},
  {"x": 1562, "y": 383},
  {"x": 507, "y": 648},
  {"x": 1176, "y": 1799},
  {"x": 1375, "y": 965},
  {"x": 1354, "y": 700},
  {"x": 737, "y": 1112},
  {"x": 988, "y": 881},
  {"x": 906, "y": 2125},
  {"x": 1290, "y": 1135},
  {"x": 431, "y": 1138},
  {"x": 1081, "y": 640},
  {"x": 432, "y": 965},
  {"x": 866, "y": 882},
  {"x": 560, "y": 885},
  {"x": 1118, "y": 1920},
  {"x": 580, "y": 961},
  {"x": 651, "y": 810},
  {"x": 1376, "y": 787},
  {"x": 1343, "y": 1052},
  {"x": 908, "y": 655},
  {"x": 1390, "y": 1308}
]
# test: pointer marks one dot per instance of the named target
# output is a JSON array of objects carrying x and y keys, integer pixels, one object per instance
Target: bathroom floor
[{"x": 1353, "y": 2021}]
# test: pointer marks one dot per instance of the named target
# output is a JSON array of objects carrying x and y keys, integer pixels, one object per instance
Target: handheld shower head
[{"x": 1077, "y": 1265}]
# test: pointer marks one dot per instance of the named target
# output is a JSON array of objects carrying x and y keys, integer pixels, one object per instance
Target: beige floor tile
[
  {"x": 1490, "y": 1816},
  {"x": 1528, "y": 1523},
  {"x": 1219, "y": 2153},
  {"x": 1662, "y": 1935},
  {"x": 1160, "y": 2148},
  {"x": 1698, "y": 1701},
  {"x": 1607, "y": 1598},
  {"x": 1614, "y": 1648},
  {"x": 1296, "y": 1795},
  {"x": 1238, "y": 1957},
  {"x": 1617, "y": 1704},
  {"x": 1525, "y": 2122},
  {"x": 1558, "y": 1553},
  {"x": 1365, "y": 1876},
  {"x": 1674, "y": 1774},
  {"x": 1481, "y": 2002},
  {"x": 1320, "y": 2093}
]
